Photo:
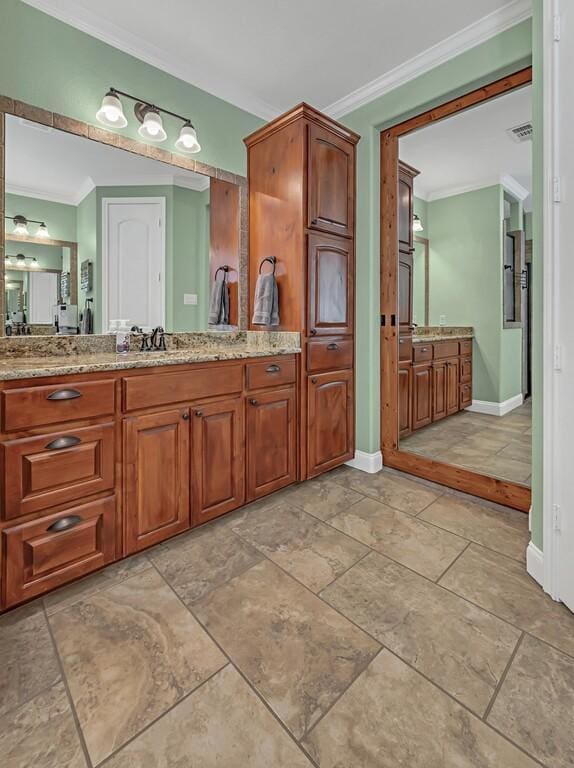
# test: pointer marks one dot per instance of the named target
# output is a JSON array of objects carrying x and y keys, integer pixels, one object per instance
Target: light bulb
[
  {"x": 20, "y": 225},
  {"x": 111, "y": 113},
  {"x": 152, "y": 126},
  {"x": 187, "y": 141},
  {"x": 43, "y": 231},
  {"x": 34, "y": 264}
]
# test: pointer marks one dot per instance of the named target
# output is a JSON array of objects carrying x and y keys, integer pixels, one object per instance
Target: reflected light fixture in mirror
[
  {"x": 417, "y": 224},
  {"x": 111, "y": 114}
]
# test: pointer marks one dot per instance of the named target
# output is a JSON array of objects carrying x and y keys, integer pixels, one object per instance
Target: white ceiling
[
  {"x": 51, "y": 165},
  {"x": 471, "y": 149},
  {"x": 266, "y": 56}
]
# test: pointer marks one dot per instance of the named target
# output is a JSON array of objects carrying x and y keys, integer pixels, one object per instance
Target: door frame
[
  {"x": 501, "y": 491},
  {"x": 106, "y": 202}
]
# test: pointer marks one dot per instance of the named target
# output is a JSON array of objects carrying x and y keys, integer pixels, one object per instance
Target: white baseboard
[
  {"x": 535, "y": 563},
  {"x": 367, "y": 462},
  {"x": 496, "y": 409}
]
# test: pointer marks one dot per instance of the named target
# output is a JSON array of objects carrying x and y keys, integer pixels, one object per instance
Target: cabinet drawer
[
  {"x": 56, "y": 403},
  {"x": 58, "y": 548},
  {"x": 330, "y": 354},
  {"x": 270, "y": 373},
  {"x": 466, "y": 369},
  {"x": 445, "y": 349},
  {"x": 44, "y": 471},
  {"x": 422, "y": 352},
  {"x": 406, "y": 348},
  {"x": 465, "y": 395},
  {"x": 182, "y": 386},
  {"x": 466, "y": 347}
]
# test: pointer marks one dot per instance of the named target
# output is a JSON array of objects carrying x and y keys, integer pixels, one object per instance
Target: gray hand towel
[
  {"x": 266, "y": 304},
  {"x": 219, "y": 302}
]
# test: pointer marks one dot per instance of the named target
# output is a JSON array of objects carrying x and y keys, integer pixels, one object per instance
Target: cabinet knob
[
  {"x": 313, "y": 381},
  {"x": 313, "y": 331},
  {"x": 199, "y": 413},
  {"x": 253, "y": 401},
  {"x": 185, "y": 416}
]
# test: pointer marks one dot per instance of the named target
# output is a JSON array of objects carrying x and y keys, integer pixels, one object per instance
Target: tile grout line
[
  {"x": 237, "y": 668},
  {"x": 447, "y": 569},
  {"x": 71, "y": 704},
  {"x": 146, "y": 727},
  {"x": 502, "y": 679}
]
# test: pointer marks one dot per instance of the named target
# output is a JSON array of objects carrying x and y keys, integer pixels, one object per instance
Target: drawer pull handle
[
  {"x": 64, "y": 524},
  {"x": 273, "y": 368},
  {"x": 63, "y": 442},
  {"x": 332, "y": 346},
  {"x": 64, "y": 394},
  {"x": 253, "y": 401}
]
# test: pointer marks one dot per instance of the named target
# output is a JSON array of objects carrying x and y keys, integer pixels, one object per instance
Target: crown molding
[
  {"x": 70, "y": 13},
  {"x": 469, "y": 37},
  {"x": 196, "y": 183},
  {"x": 514, "y": 187}
]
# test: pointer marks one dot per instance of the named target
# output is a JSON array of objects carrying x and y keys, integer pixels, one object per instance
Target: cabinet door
[
  {"x": 271, "y": 442},
  {"x": 439, "y": 391},
  {"x": 452, "y": 386},
  {"x": 422, "y": 396},
  {"x": 405, "y": 213},
  {"x": 331, "y": 421},
  {"x": 405, "y": 292},
  {"x": 331, "y": 182},
  {"x": 405, "y": 396},
  {"x": 465, "y": 395},
  {"x": 217, "y": 469},
  {"x": 331, "y": 276},
  {"x": 156, "y": 471}
]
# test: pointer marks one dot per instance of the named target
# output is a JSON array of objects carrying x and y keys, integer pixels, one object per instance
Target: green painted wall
[
  {"x": 52, "y": 65},
  {"x": 494, "y": 58}
]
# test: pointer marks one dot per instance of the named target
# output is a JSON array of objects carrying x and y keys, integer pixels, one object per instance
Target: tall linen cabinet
[{"x": 301, "y": 174}]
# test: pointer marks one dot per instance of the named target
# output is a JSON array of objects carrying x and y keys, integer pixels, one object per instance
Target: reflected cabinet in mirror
[
  {"x": 98, "y": 237},
  {"x": 463, "y": 249}
]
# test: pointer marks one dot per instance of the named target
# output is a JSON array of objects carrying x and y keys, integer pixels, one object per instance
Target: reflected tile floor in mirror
[
  {"x": 498, "y": 446},
  {"x": 354, "y": 621}
]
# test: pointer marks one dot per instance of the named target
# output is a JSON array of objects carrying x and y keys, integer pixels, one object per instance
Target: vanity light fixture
[
  {"x": 9, "y": 261},
  {"x": 417, "y": 224},
  {"x": 21, "y": 226},
  {"x": 111, "y": 114},
  {"x": 20, "y": 261}
]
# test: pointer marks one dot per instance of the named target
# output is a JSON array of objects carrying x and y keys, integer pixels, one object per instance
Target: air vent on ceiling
[{"x": 522, "y": 132}]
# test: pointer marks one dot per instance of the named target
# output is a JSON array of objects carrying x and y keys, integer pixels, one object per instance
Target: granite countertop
[
  {"x": 438, "y": 337},
  {"x": 428, "y": 334},
  {"x": 58, "y": 365}
]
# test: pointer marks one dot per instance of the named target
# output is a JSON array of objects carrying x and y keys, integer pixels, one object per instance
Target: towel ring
[
  {"x": 271, "y": 260},
  {"x": 225, "y": 268}
]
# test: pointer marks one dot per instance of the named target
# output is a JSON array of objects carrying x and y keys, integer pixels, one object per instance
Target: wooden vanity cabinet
[
  {"x": 405, "y": 398},
  {"x": 439, "y": 383},
  {"x": 452, "y": 386},
  {"x": 156, "y": 477},
  {"x": 301, "y": 178}
]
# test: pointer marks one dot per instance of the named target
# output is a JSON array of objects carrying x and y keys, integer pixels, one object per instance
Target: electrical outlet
[
  {"x": 442, "y": 320},
  {"x": 190, "y": 298}
]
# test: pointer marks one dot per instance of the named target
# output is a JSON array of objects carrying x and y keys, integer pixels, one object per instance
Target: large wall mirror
[
  {"x": 462, "y": 410},
  {"x": 96, "y": 235}
]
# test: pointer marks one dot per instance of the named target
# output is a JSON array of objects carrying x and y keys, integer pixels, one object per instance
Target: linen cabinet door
[
  {"x": 439, "y": 391},
  {"x": 331, "y": 269},
  {"x": 218, "y": 460},
  {"x": 271, "y": 442},
  {"x": 422, "y": 396},
  {"x": 331, "y": 421},
  {"x": 156, "y": 477},
  {"x": 331, "y": 182}
]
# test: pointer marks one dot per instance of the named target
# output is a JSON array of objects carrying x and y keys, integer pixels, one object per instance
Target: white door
[
  {"x": 133, "y": 261},
  {"x": 42, "y": 296}
]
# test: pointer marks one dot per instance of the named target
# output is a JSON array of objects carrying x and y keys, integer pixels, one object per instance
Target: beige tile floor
[
  {"x": 499, "y": 446},
  {"x": 355, "y": 621}
]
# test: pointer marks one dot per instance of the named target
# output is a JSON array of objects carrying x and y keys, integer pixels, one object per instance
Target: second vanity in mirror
[{"x": 96, "y": 235}]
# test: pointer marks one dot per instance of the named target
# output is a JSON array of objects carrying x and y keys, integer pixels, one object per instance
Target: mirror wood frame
[
  {"x": 493, "y": 489},
  {"x": 10, "y": 106}
]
